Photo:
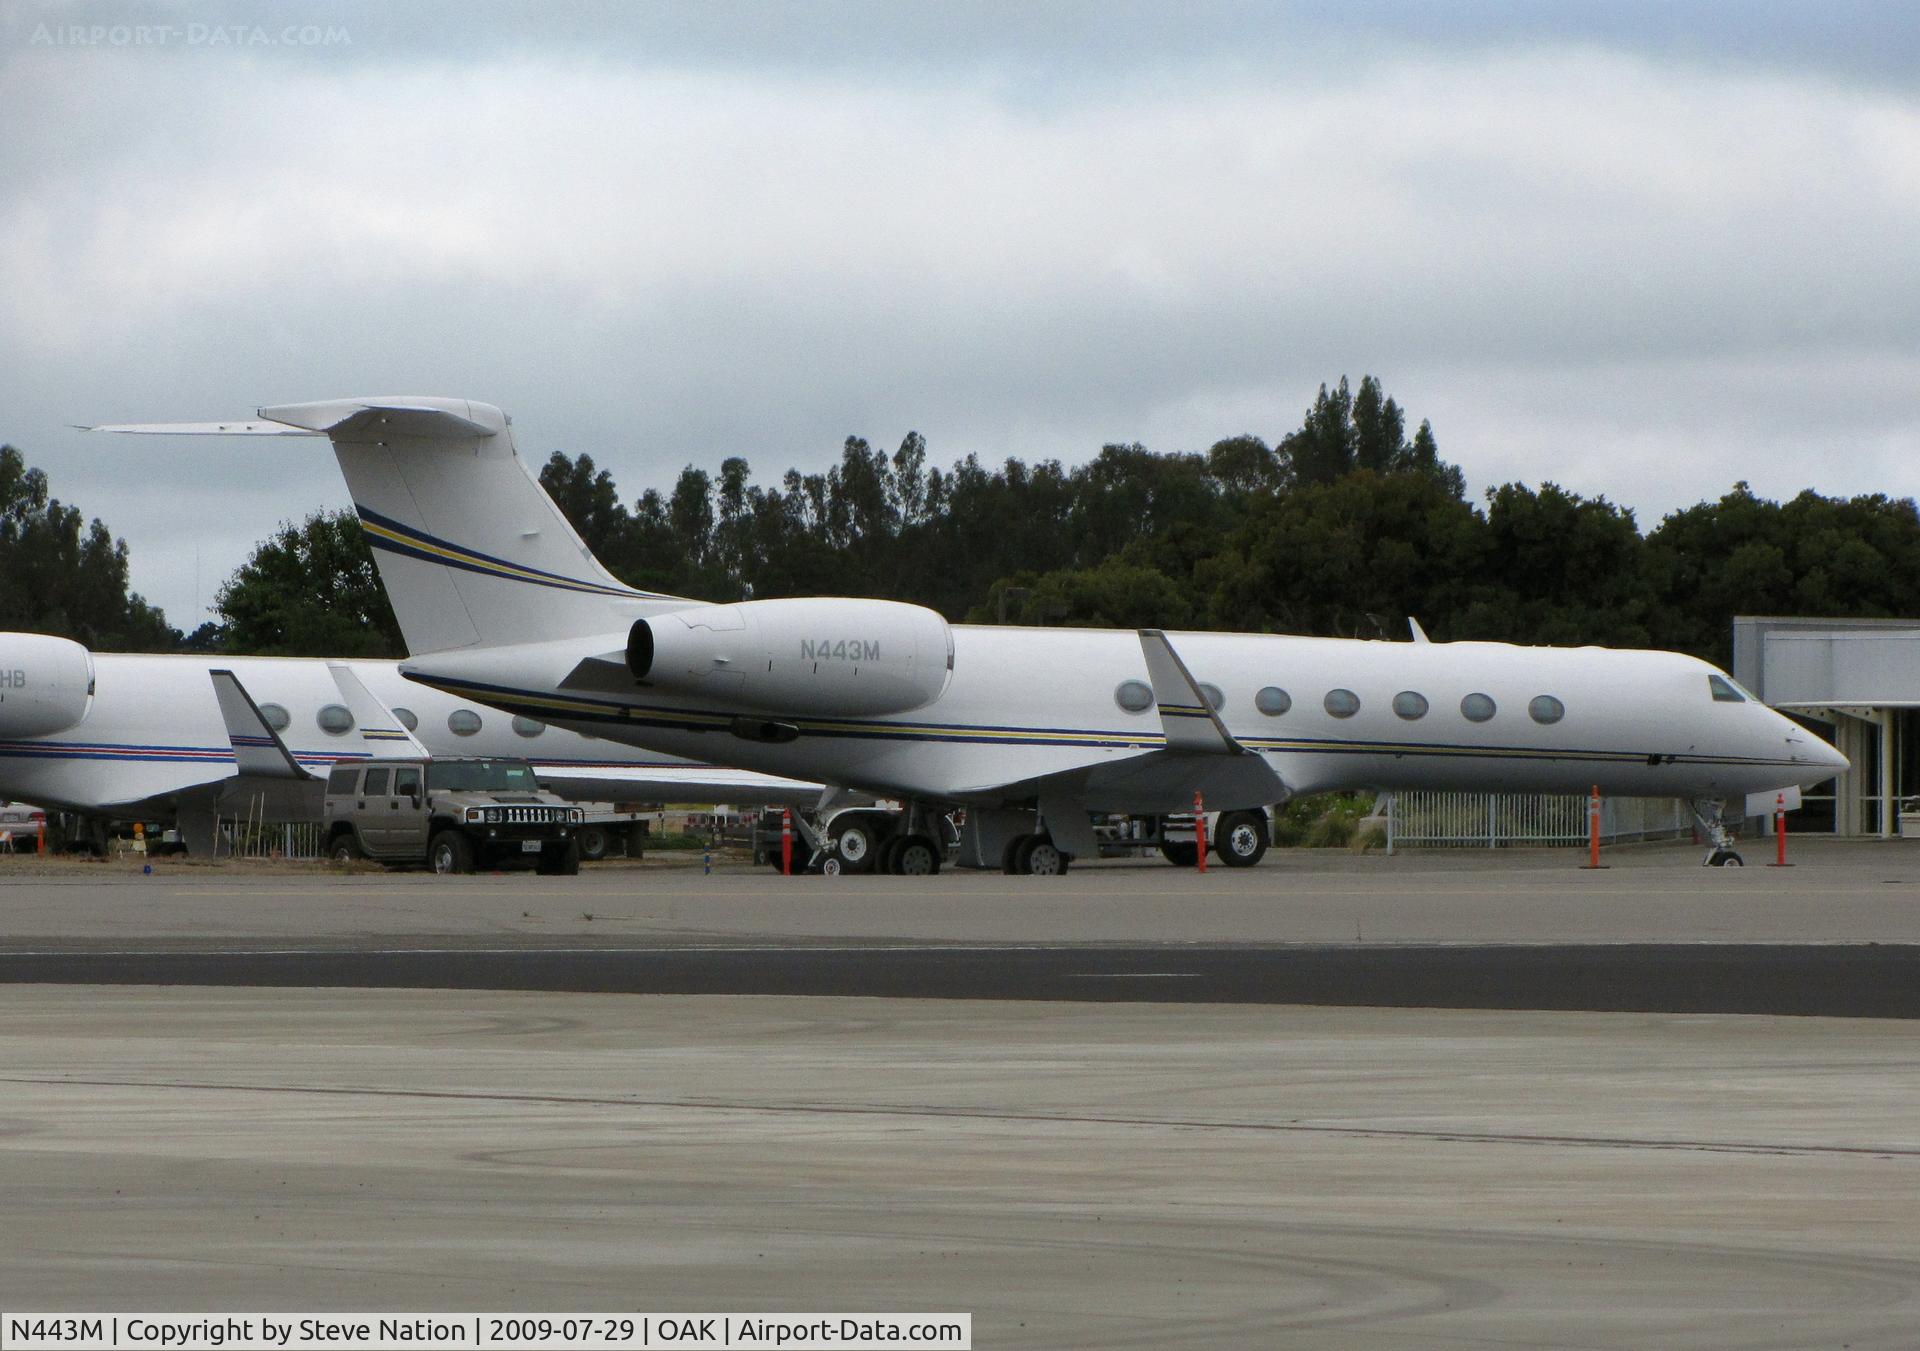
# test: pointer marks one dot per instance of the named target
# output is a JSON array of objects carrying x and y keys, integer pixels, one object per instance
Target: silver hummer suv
[{"x": 451, "y": 814}]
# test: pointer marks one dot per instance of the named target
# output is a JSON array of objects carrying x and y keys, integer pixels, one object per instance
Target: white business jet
[
  {"x": 1029, "y": 729},
  {"x": 118, "y": 736}
]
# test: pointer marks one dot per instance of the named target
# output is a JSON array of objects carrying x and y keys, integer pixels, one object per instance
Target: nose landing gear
[{"x": 1708, "y": 812}]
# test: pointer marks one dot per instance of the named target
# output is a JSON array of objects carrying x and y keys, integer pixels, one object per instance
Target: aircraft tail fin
[{"x": 472, "y": 550}]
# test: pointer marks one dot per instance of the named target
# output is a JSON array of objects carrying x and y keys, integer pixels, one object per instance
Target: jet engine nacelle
[
  {"x": 46, "y": 684},
  {"x": 857, "y": 658}
]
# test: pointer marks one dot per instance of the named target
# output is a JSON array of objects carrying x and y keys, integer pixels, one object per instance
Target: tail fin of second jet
[{"x": 472, "y": 550}]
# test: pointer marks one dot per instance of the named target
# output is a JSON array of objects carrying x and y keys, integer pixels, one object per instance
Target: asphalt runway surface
[{"x": 1835, "y": 980}]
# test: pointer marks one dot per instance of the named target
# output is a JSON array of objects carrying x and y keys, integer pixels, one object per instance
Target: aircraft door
[{"x": 407, "y": 821}]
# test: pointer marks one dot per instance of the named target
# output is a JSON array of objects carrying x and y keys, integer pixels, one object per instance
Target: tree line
[{"x": 1343, "y": 526}]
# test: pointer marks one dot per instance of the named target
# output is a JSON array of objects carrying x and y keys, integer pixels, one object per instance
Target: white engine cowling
[
  {"x": 827, "y": 656},
  {"x": 46, "y": 684}
]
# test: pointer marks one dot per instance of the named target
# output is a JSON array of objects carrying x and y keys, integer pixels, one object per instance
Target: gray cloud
[{"x": 1596, "y": 245}]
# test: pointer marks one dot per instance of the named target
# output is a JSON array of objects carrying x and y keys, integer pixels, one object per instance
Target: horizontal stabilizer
[
  {"x": 258, "y": 750},
  {"x": 378, "y": 419},
  {"x": 234, "y": 428},
  {"x": 1186, "y": 717},
  {"x": 380, "y": 727}
]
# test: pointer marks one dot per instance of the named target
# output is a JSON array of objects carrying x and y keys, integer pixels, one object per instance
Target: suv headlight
[
  {"x": 475, "y": 814},
  {"x": 495, "y": 816},
  {"x": 576, "y": 815}
]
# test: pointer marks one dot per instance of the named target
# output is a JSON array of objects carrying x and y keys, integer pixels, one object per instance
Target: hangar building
[{"x": 1857, "y": 682}]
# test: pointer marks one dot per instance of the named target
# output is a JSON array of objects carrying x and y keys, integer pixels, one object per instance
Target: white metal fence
[
  {"x": 1491, "y": 820},
  {"x": 267, "y": 839}
]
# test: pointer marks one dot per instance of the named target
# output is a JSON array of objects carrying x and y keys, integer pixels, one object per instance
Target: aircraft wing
[
  {"x": 1199, "y": 755},
  {"x": 671, "y": 781},
  {"x": 258, "y": 751}
]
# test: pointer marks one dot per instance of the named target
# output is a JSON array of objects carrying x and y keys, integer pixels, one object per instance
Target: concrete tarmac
[
  {"x": 1838, "y": 892},
  {"x": 1076, "y": 1175}
]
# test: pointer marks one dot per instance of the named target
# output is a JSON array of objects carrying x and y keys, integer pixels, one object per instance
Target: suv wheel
[
  {"x": 593, "y": 843},
  {"x": 345, "y": 848},
  {"x": 450, "y": 853}
]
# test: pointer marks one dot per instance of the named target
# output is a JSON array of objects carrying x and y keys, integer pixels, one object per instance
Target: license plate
[{"x": 529, "y": 846}]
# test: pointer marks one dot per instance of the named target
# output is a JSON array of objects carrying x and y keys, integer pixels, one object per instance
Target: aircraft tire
[
  {"x": 450, "y": 852},
  {"x": 831, "y": 866},
  {"x": 1725, "y": 858},
  {"x": 1011, "y": 862},
  {"x": 888, "y": 864},
  {"x": 1041, "y": 857},
  {"x": 1242, "y": 839},
  {"x": 915, "y": 856}
]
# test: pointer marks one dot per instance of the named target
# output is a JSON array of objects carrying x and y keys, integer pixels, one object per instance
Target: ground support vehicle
[{"x": 451, "y": 814}]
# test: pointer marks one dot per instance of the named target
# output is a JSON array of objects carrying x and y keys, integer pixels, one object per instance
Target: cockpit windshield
[
  {"x": 481, "y": 776},
  {"x": 1725, "y": 691}
]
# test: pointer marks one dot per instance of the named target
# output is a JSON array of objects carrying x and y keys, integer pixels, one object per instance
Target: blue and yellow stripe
[{"x": 385, "y": 533}]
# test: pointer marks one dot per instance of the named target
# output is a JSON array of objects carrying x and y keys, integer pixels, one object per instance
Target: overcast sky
[{"x": 1642, "y": 250}]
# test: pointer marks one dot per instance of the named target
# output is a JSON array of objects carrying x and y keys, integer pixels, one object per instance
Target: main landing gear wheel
[
  {"x": 1034, "y": 856},
  {"x": 1725, "y": 858},
  {"x": 887, "y": 862},
  {"x": 914, "y": 856},
  {"x": 1242, "y": 840}
]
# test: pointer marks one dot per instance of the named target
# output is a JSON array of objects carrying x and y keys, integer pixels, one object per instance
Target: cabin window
[
  {"x": 528, "y": 727},
  {"x": 408, "y": 718},
  {"x": 340, "y": 779},
  {"x": 1214, "y": 696},
  {"x": 1273, "y": 701},
  {"x": 1478, "y": 708},
  {"x": 276, "y": 717},
  {"x": 1135, "y": 696},
  {"x": 335, "y": 720},
  {"x": 1544, "y": 708},
  {"x": 377, "y": 782},
  {"x": 1410, "y": 705},
  {"x": 1342, "y": 703},
  {"x": 463, "y": 722},
  {"x": 1724, "y": 690}
]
